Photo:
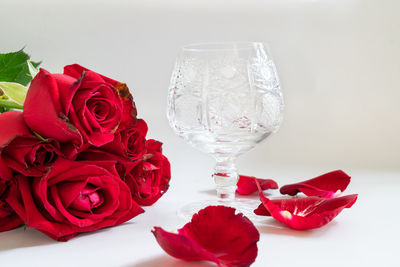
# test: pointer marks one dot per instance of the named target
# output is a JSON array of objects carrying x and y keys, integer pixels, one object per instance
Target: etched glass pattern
[{"x": 224, "y": 99}]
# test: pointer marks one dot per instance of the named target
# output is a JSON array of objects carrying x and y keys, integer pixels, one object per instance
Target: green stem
[{"x": 10, "y": 104}]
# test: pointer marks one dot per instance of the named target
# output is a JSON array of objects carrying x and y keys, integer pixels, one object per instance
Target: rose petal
[
  {"x": 44, "y": 107},
  {"x": 215, "y": 234},
  {"x": 304, "y": 213},
  {"x": 12, "y": 125},
  {"x": 246, "y": 184},
  {"x": 8, "y": 218},
  {"x": 5, "y": 172},
  {"x": 153, "y": 146},
  {"x": 328, "y": 185},
  {"x": 182, "y": 247}
]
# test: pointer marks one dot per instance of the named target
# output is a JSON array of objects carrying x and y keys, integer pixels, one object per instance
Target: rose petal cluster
[
  {"x": 320, "y": 206},
  {"x": 77, "y": 158}
]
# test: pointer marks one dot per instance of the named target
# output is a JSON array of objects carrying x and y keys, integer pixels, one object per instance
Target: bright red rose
[
  {"x": 130, "y": 142},
  {"x": 149, "y": 178},
  {"x": 73, "y": 197},
  {"x": 21, "y": 150},
  {"x": 129, "y": 109},
  {"x": 8, "y": 218},
  {"x": 79, "y": 107}
]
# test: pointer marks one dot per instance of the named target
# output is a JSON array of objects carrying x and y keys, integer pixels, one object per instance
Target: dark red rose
[
  {"x": 129, "y": 142},
  {"x": 77, "y": 107},
  {"x": 215, "y": 234},
  {"x": 8, "y": 218},
  {"x": 21, "y": 150},
  {"x": 73, "y": 197},
  {"x": 31, "y": 156},
  {"x": 149, "y": 178}
]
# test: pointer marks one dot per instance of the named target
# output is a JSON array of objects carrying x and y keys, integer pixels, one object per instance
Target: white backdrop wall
[{"x": 338, "y": 60}]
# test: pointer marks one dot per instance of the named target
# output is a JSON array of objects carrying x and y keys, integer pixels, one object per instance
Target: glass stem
[{"x": 225, "y": 177}]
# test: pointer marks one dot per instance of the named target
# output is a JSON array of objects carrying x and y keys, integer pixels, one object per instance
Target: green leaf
[
  {"x": 13, "y": 92},
  {"x": 14, "y": 67},
  {"x": 33, "y": 68}
]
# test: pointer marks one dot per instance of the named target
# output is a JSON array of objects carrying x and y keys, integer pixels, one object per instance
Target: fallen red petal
[
  {"x": 328, "y": 185},
  {"x": 215, "y": 234},
  {"x": 246, "y": 184},
  {"x": 304, "y": 213}
]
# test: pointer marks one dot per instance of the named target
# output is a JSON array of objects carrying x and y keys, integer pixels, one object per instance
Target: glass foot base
[{"x": 244, "y": 206}]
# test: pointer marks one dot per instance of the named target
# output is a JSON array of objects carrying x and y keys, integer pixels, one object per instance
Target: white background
[{"x": 339, "y": 65}]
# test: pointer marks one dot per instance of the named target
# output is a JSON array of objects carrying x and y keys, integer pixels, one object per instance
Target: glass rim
[{"x": 222, "y": 46}]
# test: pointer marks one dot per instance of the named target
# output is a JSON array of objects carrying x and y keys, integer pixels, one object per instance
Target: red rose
[
  {"x": 129, "y": 142},
  {"x": 149, "y": 178},
  {"x": 77, "y": 107},
  {"x": 73, "y": 197},
  {"x": 129, "y": 108},
  {"x": 8, "y": 218},
  {"x": 21, "y": 150}
]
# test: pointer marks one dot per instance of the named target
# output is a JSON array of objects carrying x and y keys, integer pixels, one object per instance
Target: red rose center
[
  {"x": 99, "y": 108},
  {"x": 89, "y": 198}
]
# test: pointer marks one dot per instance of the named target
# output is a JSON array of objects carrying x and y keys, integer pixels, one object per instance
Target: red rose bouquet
[{"x": 76, "y": 159}]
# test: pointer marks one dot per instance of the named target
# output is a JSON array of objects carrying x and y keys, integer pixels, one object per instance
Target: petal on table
[
  {"x": 328, "y": 185},
  {"x": 304, "y": 213},
  {"x": 215, "y": 234},
  {"x": 247, "y": 185}
]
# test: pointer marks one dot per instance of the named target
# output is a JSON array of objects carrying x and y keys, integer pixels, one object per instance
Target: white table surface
[
  {"x": 365, "y": 235},
  {"x": 338, "y": 62}
]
